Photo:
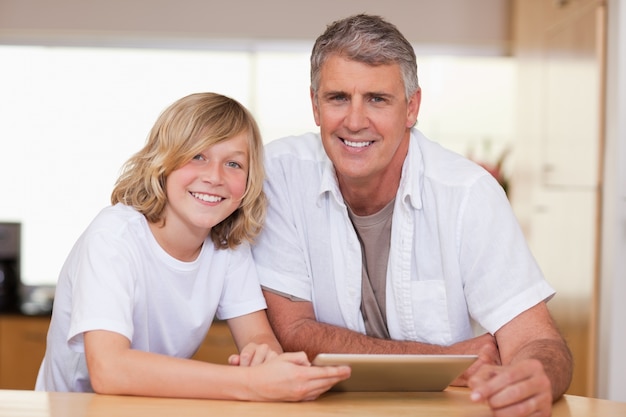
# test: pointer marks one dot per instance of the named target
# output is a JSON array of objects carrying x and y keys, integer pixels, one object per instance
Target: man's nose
[{"x": 356, "y": 118}]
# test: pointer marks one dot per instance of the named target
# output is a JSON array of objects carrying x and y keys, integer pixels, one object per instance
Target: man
[{"x": 378, "y": 240}]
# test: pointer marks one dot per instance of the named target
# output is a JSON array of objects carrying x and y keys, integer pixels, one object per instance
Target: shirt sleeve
[
  {"x": 501, "y": 277},
  {"x": 102, "y": 289},
  {"x": 241, "y": 292},
  {"x": 278, "y": 250}
]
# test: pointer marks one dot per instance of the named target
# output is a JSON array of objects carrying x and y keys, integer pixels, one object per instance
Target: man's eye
[{"x": 338, "y": 97}]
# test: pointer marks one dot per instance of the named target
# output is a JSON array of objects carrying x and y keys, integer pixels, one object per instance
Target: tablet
[{"x": 372, "y": 372}]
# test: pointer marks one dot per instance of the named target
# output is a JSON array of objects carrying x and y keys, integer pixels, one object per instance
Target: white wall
[
  {"x": 69, "y": 118},
  {"x": 612, "y": 303},
  {"x": 470, "y": 25}
]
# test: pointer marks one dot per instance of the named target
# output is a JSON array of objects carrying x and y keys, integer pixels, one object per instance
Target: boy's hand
[
  {"x": 290, "y": 377},
  {"x": 252, "y": 354}
]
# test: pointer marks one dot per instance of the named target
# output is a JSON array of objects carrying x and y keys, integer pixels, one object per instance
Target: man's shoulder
[
  {"x": 432, "y": 150},
  {"x": 441, "y": 164},
  {"x": 305, "y": 146}
]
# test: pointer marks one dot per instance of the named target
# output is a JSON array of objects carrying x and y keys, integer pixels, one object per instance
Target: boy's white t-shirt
[{"x": 118, "y": 278}]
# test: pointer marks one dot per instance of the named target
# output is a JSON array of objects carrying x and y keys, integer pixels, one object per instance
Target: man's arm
[
  {"x": 536, "y": 366},
  {"x": 297, "y": 329},
  {"x": 533, "y": 335}
]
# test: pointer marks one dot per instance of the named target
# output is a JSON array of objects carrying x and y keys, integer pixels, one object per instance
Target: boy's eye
[
  {"x": 198, "y": 157},
  {"x": 233, "y": 164}
]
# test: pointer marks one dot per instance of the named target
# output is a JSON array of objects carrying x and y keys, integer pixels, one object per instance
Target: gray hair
[{"x": 367, "y": 39}]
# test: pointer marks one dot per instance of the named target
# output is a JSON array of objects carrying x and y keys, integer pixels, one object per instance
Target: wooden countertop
[{"x": 450, "y": 403}]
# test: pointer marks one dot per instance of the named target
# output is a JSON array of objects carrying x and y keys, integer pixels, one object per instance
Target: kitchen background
[{"x": 81, "y": 82}]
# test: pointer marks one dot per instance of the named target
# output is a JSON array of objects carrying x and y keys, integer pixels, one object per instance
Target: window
[{"x": 70, "y": 117}]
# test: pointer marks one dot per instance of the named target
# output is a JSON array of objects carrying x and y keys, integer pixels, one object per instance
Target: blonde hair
[{"x": 185, "y": 129}]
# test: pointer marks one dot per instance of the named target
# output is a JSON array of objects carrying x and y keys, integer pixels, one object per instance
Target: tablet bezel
[{"x": 394, "y": 372}]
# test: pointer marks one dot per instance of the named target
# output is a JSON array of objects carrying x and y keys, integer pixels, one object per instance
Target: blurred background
[{"x": 528, "y": 88}]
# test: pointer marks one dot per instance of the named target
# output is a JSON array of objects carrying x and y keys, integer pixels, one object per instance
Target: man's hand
[
  {"x": 488, "y": 354},
  {"x": 520, "y": 389}
]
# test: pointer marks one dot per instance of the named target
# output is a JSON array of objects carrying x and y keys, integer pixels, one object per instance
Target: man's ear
[
  {"x": 314, "y": 104},
  {"x": 413, "y": 108}
]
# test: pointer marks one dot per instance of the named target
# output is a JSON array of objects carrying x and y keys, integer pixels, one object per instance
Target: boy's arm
[
  {"x": 254, "y": 338},
  {"x": 115, "y": 368}
]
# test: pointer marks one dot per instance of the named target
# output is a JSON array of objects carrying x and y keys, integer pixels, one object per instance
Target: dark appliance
[{"x": 10, "y": 235}]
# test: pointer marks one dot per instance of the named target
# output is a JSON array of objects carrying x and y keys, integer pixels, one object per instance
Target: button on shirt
[{"x": 458, "y": 258}]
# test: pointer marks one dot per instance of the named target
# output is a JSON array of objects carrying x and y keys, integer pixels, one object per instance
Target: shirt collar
[
  {"x": 413, "y": 173},
  {"x": 329, "y": 183}
]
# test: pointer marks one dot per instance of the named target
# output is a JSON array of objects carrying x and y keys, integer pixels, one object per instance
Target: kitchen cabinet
[
  {"x": 572, "y": 76},
  {"x": 218, "y": 345},
  {"x": 559, "y": 48},
  {"x": 23, "y": 344}
]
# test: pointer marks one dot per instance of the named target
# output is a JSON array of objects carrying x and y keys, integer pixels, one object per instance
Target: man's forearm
[
  {"x": 314, "y": 337},
  {"x": 557, "y": 362},
  {"x": 297, "y": 329}
]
